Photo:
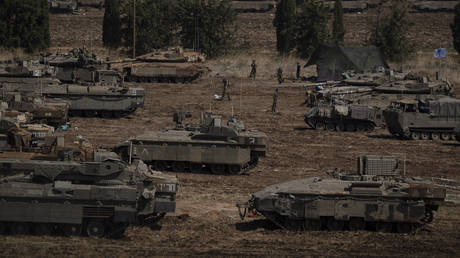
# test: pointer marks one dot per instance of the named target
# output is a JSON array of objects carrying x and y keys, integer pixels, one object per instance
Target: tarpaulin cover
[
  {"x": 332, "y": 61},
  {"x": 445, "y": 107}
]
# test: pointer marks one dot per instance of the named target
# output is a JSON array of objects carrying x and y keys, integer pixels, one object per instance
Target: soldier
[
  {"x": 279, "y": 74},
  {"x": 253, "y": 70},
  {"x": 224, "y": 92},
  {"x": 275, "y": 101},
  {"x": 297, "y": 74}
]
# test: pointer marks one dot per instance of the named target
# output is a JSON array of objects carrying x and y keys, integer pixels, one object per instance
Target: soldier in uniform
[
  {"x": 297, "y": 74},
  {"x": 279, "y": 74},
  {"x": 275, "y": 101},
  {"x": 253, "y": 70},
  {"x": 224, "y": 92}
]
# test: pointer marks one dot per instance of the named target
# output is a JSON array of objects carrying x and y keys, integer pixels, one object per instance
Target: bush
[
  {"x": 111, "y": 27},
  {"x": 24, "y": 24},
  {"x": 338, "y": 32},
  {"x": 455, "y": 27},
  {"x": 284, "y": 22}
]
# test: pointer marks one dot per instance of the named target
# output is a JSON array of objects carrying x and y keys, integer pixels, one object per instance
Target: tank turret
[{"x": 374, "y": 197}]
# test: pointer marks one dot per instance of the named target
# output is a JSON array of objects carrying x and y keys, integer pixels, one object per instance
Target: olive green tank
[
  {"x": 215, "y": 146},
  {"x": 374, "y": 197},
  {"x": 99, "y": 198}
]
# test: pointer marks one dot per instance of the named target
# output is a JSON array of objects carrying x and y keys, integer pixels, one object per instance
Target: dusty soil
[{"x": 207, "y": 222}]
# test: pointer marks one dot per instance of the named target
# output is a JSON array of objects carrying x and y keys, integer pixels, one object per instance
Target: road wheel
[
  {"x": 161, "y": 165},
  {"x": 218, "y": 169},
  {"x": 178, "y": 166},
  {"x": 313, "y": 224},
  {"x": 370, "y": 127},
  {"x": 384, "y": 227},
  {"x": 356, "y": 224},
  {"x": 196, "y": 167},
  {"x": 360, "y": 128},
  {"x": 234, "y": 169},
  {"x": 435, "y": 136},
  {"x": 425, "y": 136},
  {"x": 20, "y": 228},
  {"x": 43, "y": 229},
  {"x": 453, "y": 137},
  {"x": 76, "y": 113},
  {"x": 340, "y": 127},
  {"x": 334, "y": 225},
  {"x": 415, "y": 135},
  {"x": 330, "y": 126},
  {"x": 405, "y": 228},
  {"x": 445, "y": 136},
  {"x": 71, "y": 230},
  {"x": 95, "y": 228},
  {"x": 320, "y": 126},
  {"x": 350, "y": 127},
  {"x": 106, "y": 114},
  {"x": 90, "y": 113}
]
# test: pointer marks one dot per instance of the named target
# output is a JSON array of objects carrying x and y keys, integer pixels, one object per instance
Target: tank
[
  {"x": 171, "y": 65},
  {"x": 374, "y": 197},
  {"x": 424, "y": 120},
  {"x": 63, "y": 5},
  {"x": 89, "y": 101},
  {"x": 215, "y": 146},
  {"x": 343, "y": 117},
  {"x": 99, "y": 198}
]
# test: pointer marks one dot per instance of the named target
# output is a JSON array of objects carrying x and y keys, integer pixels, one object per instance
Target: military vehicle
[
  {"x": 89, "y": 101},
  {"x": 424, "y": 120},
  {"x": 253, "y": 6},
  {"x": 374, "y": 197},
  {"x": 213, "y": 145},
  {"x": 63, "y": 5},
  {"x": 343, "y": 117},
  {"x": 172, "y": 65},
  {"x": 98, "y": 198}
]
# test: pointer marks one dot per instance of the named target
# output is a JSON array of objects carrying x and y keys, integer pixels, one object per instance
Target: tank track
[
  {"x": 189, "y": 167},
  {"x": 340, "y": 126},
  {"x": 429, "y": 134}
]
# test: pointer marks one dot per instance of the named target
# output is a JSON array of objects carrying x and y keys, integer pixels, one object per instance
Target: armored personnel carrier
[
  {"x": 343, "y": 117},
  {"x": 89, "y": 101},
  {"x": 374, "y": 197},
  {"x": 222, "y": 148},
  {"x": 99, "y": 198},
  {"x": 173, "y": 65},
  {"x": 417, "y": 120}
]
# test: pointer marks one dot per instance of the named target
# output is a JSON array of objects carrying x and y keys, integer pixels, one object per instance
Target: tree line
[{"x": 208, "y": 26}]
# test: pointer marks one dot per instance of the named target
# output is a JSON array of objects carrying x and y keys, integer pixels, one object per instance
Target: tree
[
  {"x": 155, "y": 25},
  {"x": 24, "y": 24},
  {"x": 390, "y": 34},
  {"x": 284, "y": 22},
  {"x": 311, "y": 26},
  {"x": 111, "y": 27},
  {"x": 206, "y": 25},
  {"x": 338, "y": 32},
  {"x": 455, "y": 27}
]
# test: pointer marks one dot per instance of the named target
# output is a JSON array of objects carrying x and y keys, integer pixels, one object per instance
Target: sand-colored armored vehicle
[
  {"x": 89, "y": 101},
  {"x": 343, "y": 117},
  {"x": 417, "y": 120},
  {"x": 172, "y": 65},
  {"x": 374, "y": 197},
  {"x": 253, "y": 6},
  {"x": 215, "y": 146},
  {"x": 63, "y": 5},
  {"x": 98, "y": 198}
]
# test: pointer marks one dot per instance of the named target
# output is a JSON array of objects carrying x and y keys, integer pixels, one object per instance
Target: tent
[{"x": 332, "y": 61}]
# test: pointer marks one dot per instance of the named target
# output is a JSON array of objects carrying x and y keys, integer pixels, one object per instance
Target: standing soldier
[
  {"x": 275, "y": 101},
  {"x": 280, "y": 75},
  {"x": 224, "y": 92},
  {"x": 253, "y": 70},
  {"x": 297, "y": 74}
]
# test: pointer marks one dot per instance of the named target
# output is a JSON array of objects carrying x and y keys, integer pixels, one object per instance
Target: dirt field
[{"x": 206, "y": 221}]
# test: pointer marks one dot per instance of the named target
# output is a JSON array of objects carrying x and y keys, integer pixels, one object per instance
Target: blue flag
[{"x": 440, "y": 53}]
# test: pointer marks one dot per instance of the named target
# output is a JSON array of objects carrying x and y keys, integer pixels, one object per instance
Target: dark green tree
[
  {"x": 111, "y": 27},
  {"x": 155, "y": 25},
  {"x": 24, "y": 24},
  {"x": 390, "y": 32},
  {"x": 338, "y": 32},
  {"x": 311, "y": 26},
  {"x": 455, "y": 27},
  {"x": 285, "y": 18},
  {"x": 206, "y": 25}
]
